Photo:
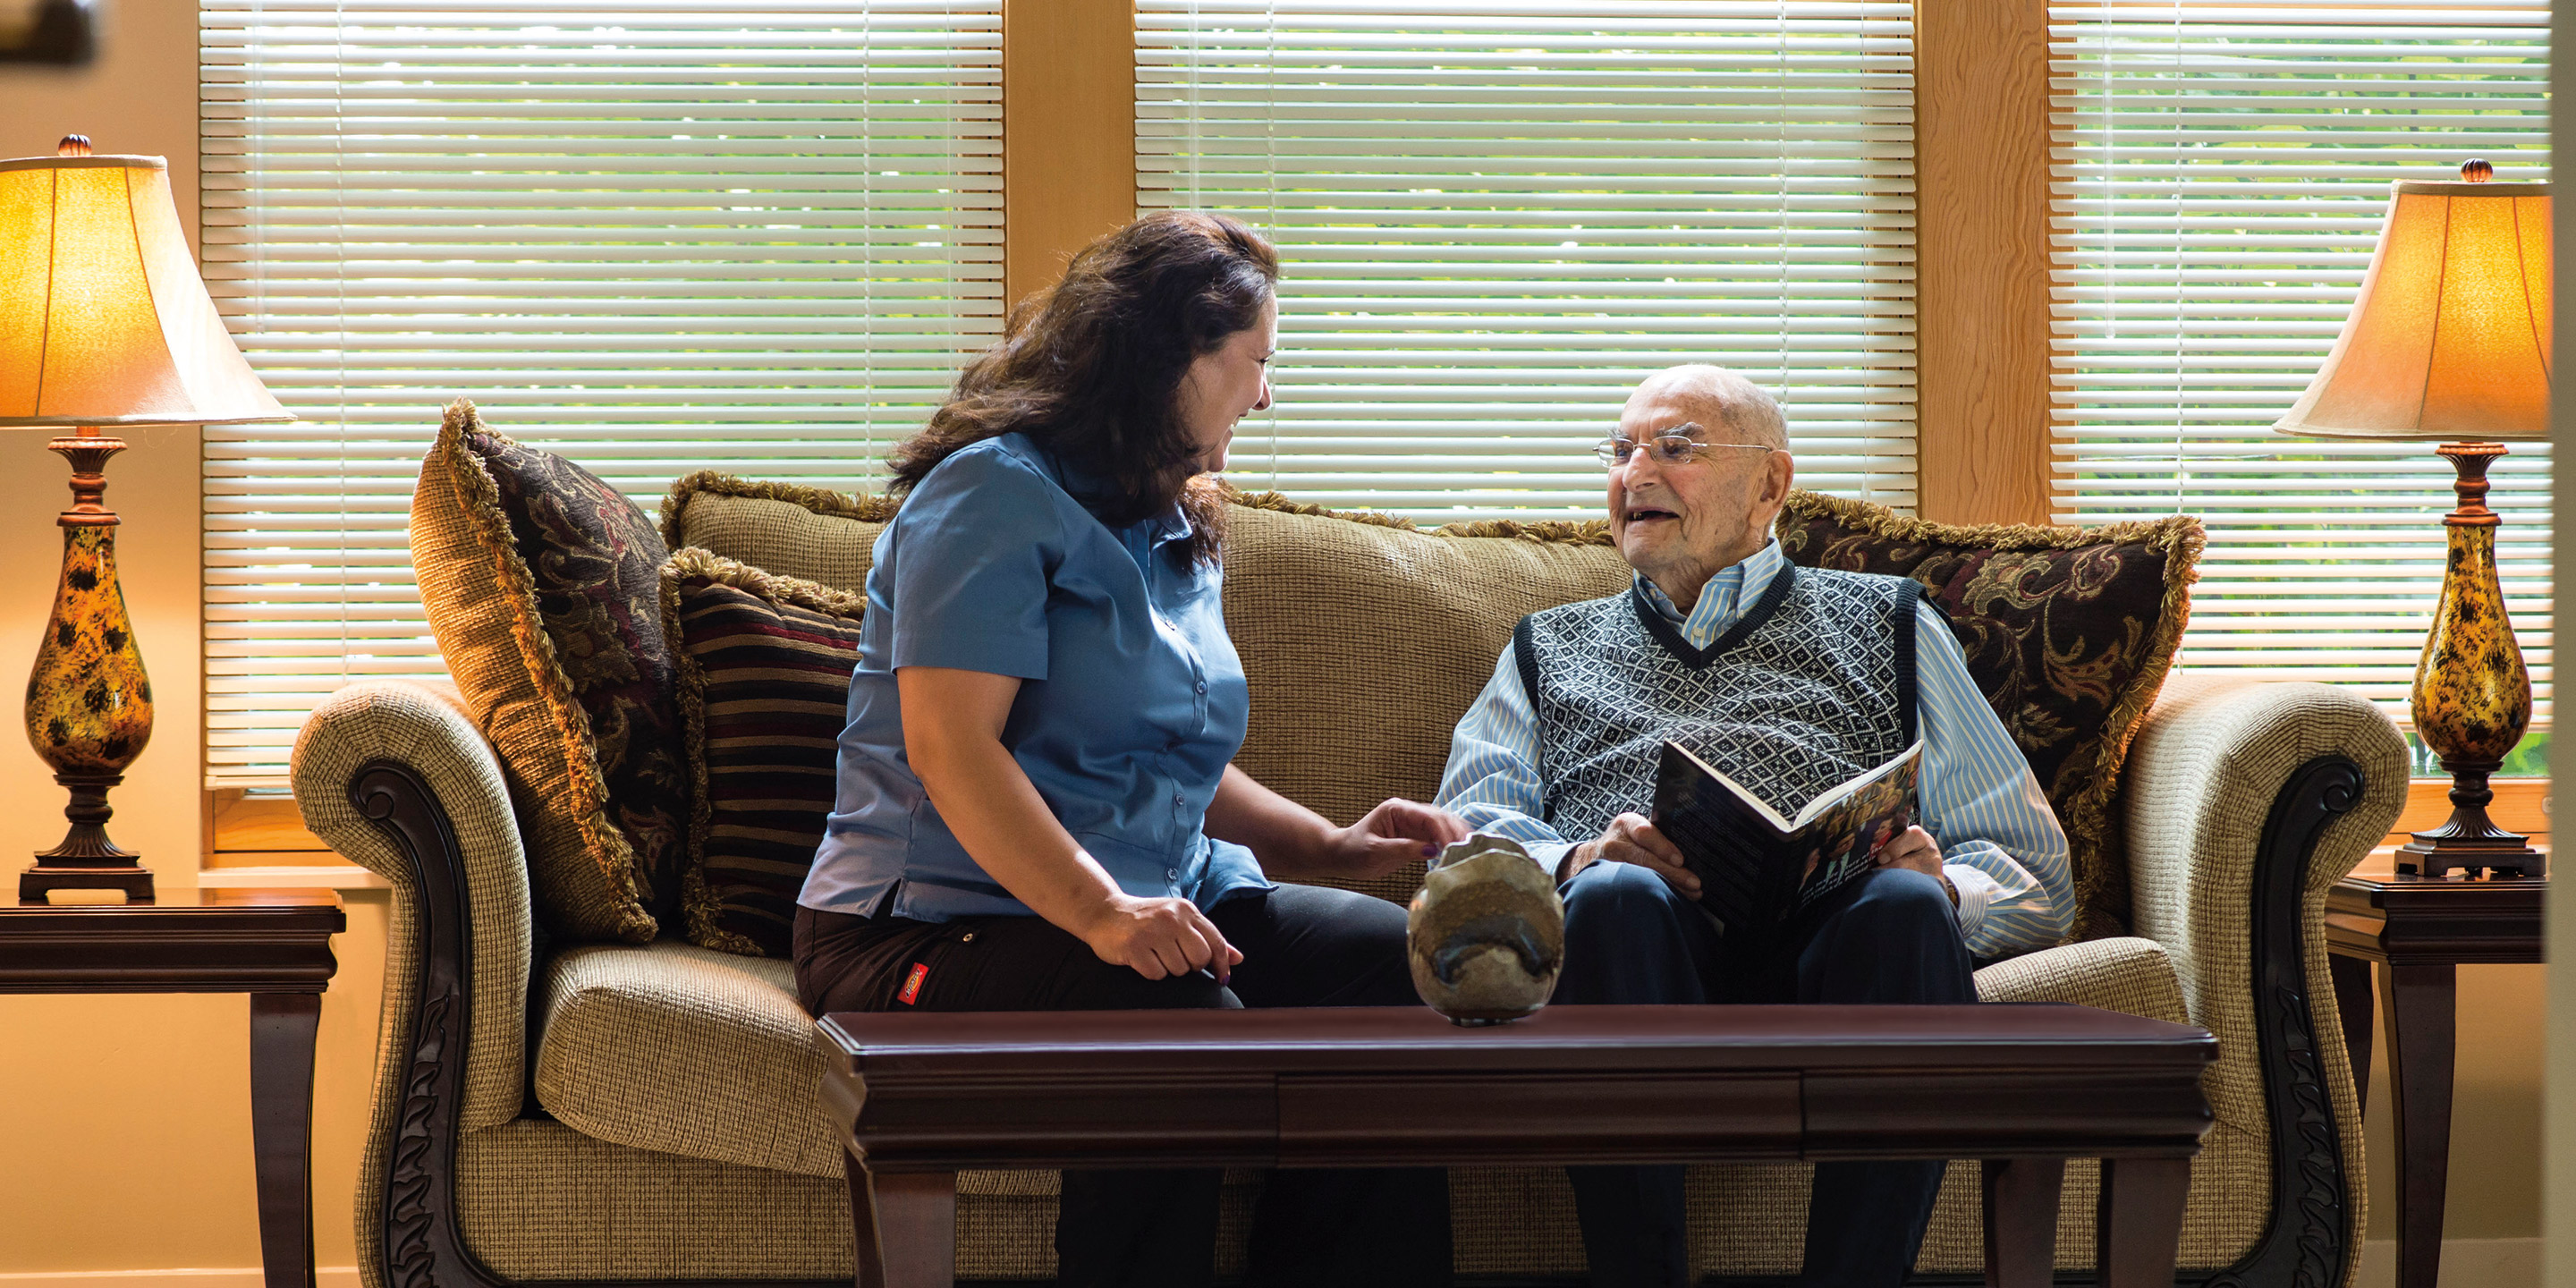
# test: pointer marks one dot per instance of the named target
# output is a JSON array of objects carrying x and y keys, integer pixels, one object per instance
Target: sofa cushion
[
  {"x": 2069, "y": 631},
  {"x": 809, "y": 532},
  {"x": 1348, "y": 707},
  {"x": 540, "y": 584},
  {"x": 764, "y": 663},
  {"x": 2129, "y": 975},
  {"x": 680, "y": 1049},
  {"x": 1365, "y": 639}
]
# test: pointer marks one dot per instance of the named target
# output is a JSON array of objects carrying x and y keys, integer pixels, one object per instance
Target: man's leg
[
  {"x": 1114, "y": 1229},
  {"x": 1632, "y": 939},
  {"x": 1313, "y": 946},
  {"x": 1890, "y": 937}
]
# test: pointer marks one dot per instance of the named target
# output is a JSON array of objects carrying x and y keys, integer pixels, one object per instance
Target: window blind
[
  {"x": 651, "y": 236},
  {"x": 2222, "y": 173},
  {"x": 1495, "y": 218}
]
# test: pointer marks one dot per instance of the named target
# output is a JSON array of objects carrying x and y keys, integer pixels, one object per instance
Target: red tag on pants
[{"x": 912, "y": 984}]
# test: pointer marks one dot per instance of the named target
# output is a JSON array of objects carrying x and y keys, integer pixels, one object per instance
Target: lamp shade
[
  {"x": 2450, "y": 337},
  {"x": 103, "y": 319}
]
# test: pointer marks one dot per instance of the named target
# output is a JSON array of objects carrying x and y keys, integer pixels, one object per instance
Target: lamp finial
[
  {"x": 2476, "y": 170},
  {"x": 73, "y": 145}
]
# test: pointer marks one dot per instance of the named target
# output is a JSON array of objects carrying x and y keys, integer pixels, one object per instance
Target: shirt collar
[
  {"x": 1082, "y": 485},
  {"x": 1723, "y": 599}
]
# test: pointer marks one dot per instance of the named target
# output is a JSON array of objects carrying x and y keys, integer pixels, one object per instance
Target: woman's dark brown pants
[{"x": 1302, "y": 946}]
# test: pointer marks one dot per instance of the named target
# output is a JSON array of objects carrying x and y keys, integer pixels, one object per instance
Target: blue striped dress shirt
[{"x": 2000, "y": 843}]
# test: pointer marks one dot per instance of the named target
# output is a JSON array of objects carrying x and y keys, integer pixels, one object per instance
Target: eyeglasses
[{"x": 1674, "y": 446}]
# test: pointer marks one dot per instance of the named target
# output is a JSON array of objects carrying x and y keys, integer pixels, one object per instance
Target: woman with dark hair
[{"x": 1037, "y": 808}]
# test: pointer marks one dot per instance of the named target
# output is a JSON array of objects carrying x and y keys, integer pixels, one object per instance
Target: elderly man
[{"x": 1790, "y": 680}]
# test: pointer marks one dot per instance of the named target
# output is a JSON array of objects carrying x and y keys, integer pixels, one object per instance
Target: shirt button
[
  {"x": 1177, "y": 799},
  {"x": 1202, "y": 686},
  {"x": 1171, "y": 874}
]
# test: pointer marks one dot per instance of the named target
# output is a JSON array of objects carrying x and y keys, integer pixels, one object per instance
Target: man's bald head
[
  {"x": 1678, "y": 523},
  {"x": 1719, "y": 400}
]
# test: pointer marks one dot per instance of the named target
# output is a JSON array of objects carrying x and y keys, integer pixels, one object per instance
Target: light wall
[
  {"x": 128, "y": 1139},
  {"x": 2495, "y": 1114}
]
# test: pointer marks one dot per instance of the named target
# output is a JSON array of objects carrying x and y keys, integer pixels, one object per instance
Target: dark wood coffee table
[{"x": 2023, "y": 1087}]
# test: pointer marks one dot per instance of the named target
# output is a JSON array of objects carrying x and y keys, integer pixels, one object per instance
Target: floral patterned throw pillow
[
  {"x": 2069, "y": 631},
  {"x": 542, "y": 585}
]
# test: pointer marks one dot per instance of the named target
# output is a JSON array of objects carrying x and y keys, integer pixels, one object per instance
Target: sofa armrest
[
  {"x": 394, "y": 776},
  {"x": 2244, "y": 803}
]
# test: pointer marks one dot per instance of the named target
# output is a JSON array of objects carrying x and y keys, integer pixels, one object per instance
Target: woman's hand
[
  {"x": 1295, "y": 843},
  {"x": 1158, "y": 937},
  {"x": 952, "y": 730},
  {"x": 1396, "y": 833}
]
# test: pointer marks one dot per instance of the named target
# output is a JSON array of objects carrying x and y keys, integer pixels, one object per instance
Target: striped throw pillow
[{"x": 764, "y": 681}]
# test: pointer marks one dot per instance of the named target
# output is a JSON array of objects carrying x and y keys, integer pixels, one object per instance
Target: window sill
[
  {"x": 300, "y": 876},
  {"x": 2521, "y": 805}
]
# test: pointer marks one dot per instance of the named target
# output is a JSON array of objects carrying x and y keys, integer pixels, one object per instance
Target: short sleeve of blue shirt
[{"x": 972, "y": 549}]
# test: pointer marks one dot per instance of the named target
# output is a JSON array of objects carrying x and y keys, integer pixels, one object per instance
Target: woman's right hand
[{"x": 1159, "y": 937}]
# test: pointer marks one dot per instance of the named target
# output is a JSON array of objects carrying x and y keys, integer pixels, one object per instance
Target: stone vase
[{"x": 1486, "y": 933}]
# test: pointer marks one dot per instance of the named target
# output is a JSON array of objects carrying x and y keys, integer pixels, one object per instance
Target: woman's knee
[
  {"x": 1317, "y": 946},
  {"x": 1347, "y": 912}
]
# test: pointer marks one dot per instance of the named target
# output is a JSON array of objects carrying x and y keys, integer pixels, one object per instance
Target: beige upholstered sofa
[{"x": 618, "y": 1112}]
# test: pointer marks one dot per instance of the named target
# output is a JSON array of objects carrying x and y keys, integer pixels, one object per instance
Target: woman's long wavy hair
[{"x": 1091, "y": 368}]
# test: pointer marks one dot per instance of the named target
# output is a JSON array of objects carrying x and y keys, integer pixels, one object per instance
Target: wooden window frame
[{"x": 1981, "y": 198}]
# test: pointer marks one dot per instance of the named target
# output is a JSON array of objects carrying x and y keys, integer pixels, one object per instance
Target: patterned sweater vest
[{"x": 1812, "y": 686}]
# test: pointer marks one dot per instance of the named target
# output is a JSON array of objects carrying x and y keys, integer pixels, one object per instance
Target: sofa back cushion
[
  {"x": 764, "y": 665},
  {"x": 810, "y": 533},
  {"x": 539, "y": 582},
  {"x": 1365, "y": 639},
  {"x": 2068, "y": 631}
]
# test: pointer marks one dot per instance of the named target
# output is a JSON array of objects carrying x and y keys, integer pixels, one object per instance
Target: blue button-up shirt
[{"x": 1131, "y": 702}]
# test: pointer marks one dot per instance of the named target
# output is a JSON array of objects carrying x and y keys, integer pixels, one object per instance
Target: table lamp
[
  {"x": 103, "y": 322},
  {"x": 2449, "y": 343}
]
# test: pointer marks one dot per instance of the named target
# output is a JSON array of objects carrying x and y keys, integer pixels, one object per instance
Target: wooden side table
[
  {"x": 273, "y": 945},
  {"x": 2418, "y": 930}
]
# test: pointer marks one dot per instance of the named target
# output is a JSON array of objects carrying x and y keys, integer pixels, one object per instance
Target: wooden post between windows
[
  {"x": 1981, "y": 151},
  {"x": 1068, "y": 132}
]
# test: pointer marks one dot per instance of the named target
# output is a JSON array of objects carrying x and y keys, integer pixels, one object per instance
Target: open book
[{"x": 1755, "y": 868}]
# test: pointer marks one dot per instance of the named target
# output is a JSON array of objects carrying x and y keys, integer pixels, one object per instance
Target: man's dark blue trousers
[{"x": 1890, "y": 936}]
